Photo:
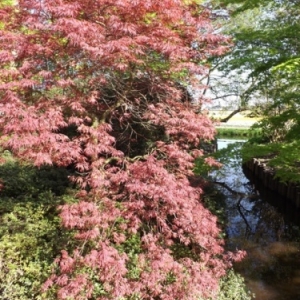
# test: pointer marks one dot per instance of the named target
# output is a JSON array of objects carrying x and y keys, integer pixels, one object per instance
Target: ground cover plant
[
  {"x": 98, "y": 88},
  {"x": 30, "y": 232}
]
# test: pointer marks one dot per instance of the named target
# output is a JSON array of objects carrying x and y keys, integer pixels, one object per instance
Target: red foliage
[{"x": 92, "y": 84}]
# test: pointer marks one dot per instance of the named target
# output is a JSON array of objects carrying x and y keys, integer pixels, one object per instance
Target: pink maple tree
[{"x": 98, "y": 86}]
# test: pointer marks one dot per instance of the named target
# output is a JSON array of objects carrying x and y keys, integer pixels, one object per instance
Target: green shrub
[
  {"x": 23, "y": 180},
  {"x": 27, "y": 248},
  {"x": 232, "y": 287},
  {"x": 30, "y": 232}
]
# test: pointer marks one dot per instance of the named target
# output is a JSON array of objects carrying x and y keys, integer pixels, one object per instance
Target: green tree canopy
[{"x": 267, "y": 48}]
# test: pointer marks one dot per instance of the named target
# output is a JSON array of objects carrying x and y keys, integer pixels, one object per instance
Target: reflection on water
[{"x": 272, "y": 266}]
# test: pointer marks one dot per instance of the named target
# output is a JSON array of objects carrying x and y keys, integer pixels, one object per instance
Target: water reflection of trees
[
  {"x": 263, "y": 215},
  {"x": 259, "y": 222},
  {"x": 263, "y": 222},
  {"x": 270, "y": 223}
]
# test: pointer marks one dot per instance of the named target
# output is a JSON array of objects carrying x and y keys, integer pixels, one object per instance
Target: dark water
[{"x": 262, "y": 224}]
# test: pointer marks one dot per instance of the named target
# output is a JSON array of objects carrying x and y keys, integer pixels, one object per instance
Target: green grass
[{"x": 238, "y": 132}]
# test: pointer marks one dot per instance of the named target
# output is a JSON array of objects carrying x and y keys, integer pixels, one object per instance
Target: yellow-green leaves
[
  {"x": 289, "y": 66},
  {"x": 150, "y": 17},
  {"x": 4, "y": 3},
  {"x": 189, "y": 2}
]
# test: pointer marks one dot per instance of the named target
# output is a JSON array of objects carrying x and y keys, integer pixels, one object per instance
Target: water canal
[{"x": 268, "y": 234}]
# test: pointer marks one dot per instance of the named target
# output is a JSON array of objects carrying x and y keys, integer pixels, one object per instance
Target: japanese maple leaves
[{"x": 96, "y": 86}]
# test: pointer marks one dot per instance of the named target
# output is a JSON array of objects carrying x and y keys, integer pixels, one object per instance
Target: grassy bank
[{"x": 238, "y": 132}]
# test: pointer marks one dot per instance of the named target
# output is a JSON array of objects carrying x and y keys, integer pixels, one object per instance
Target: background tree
[
  {"x": 97, "y": 87},
  {"x": 267, "y": 49},
  {"x": 229, "y": 80},
  {"x": 264, "y": 43}
]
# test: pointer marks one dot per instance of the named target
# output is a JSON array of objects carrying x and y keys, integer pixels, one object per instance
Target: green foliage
[
  {"x": 29, "y": 240},
  {"x": 30, "y": 231},
  {"x": 283, "y": 157},
  {"x": 229, "y": 156},
  {"x": 24, "y": 180},
  {"x": 214, "y": 201},
  {"x": 237, "y": 132},
  {"x": 254, "y": 150},
  {"x": 7, "y": 3},
  {"x": 180, "y": 251},
  {"x": 203, "y": 169},
  {"x": 267, "y": 49},
  {"x": 289, "y": 66},
  {"x": 132, "y": 247},
  {"x": 232, "y": 287}
]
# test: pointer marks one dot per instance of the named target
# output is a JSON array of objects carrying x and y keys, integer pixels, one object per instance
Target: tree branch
[
  {"x": 236, "y": 193},
  {"x": 230, "y": 115}
]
